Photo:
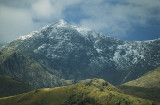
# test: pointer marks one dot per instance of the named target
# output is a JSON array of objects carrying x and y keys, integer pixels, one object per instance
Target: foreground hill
[
  {"x": 79, "y": 94},
  {"x": 10, "y": 87},
  {"x": 147, "y": 86},
  {"x": 62, "y": 53}
]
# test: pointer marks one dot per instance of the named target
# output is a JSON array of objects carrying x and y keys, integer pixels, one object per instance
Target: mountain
[
  {"x": 78, "y": 94},
  {"x": 147, "y": 86},
  {"x": 10, "y": 87},
  {"x": 63, "y": 54}
]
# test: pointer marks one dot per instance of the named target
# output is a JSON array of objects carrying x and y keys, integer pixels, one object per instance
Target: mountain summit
[
  {"x": 61, "y": 23},
  {"x": 61, "y": 54}
]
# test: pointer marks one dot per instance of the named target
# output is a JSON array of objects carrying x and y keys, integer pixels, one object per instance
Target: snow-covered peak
[{"x": 61, "y": 23}]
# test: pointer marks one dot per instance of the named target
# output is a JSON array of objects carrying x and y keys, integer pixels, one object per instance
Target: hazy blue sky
[{"x": 124, "y": 19}]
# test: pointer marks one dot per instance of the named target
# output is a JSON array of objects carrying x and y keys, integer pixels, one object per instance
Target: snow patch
[
  {"x": 27, "y": 36},
  {"x": 128, "y": 52},
  {"x": 40, "y": 48},
  {"x": 81, "y": 30},
  {"x": 99, "y": 50}
]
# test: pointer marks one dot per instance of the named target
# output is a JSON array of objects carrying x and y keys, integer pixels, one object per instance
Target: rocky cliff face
[{"x": 74, "y": 53}]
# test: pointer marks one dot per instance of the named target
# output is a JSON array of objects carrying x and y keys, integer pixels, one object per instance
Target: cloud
[
  {"x": 151, "y": 8},
  {"x": 117, "y": 18},
  {"x": 51, "y": 9},
  {"x": 14, "y": 22},
  {"x": 42, "y": 8},
  {"x": 113, "y": 17}
]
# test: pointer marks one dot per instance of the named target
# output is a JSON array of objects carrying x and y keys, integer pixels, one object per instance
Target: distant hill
[
  {"x": 78, "y": 94},
  {"x": 10, "y": 87},
  {"x": 148, "y": 80},
  {"x": 147, "y": 86}
]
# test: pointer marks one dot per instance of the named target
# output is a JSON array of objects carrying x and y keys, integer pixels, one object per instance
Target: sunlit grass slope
[
  {"x": 147, "y": 86},
  {"x": 148, "y": 80},
  {"x": 141, "y": 92},
  {"x": 78, "y": 94}
]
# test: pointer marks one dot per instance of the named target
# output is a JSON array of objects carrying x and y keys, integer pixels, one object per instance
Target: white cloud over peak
[{"x": 42, "y": 8}]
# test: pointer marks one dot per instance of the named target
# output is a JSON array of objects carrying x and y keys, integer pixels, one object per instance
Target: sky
[{"x": 124, "y": 19}]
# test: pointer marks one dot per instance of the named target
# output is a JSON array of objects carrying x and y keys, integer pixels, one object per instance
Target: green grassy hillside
[
  {"x": 9, "y": 86},
  {"x": 99, "y": 83},
  {"x": 141, "y": 92},
  {"x": 148, "y": 80},
  {"x": 78, "y": 94}
]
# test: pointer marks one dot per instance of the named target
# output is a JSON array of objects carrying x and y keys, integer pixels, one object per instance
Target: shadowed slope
[
  {"x": 9, "y": 86},
  {"x": 25, "y": 68}
]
